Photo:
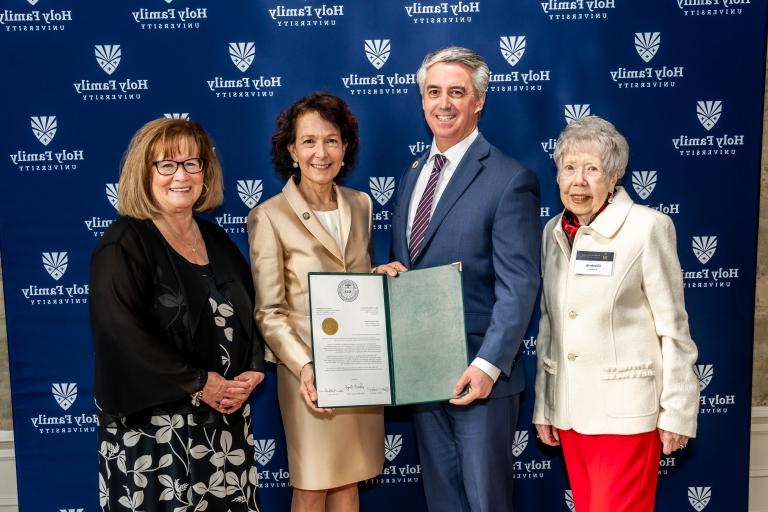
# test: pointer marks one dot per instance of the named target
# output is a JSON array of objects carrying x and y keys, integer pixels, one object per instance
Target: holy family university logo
[
  {"x": 17, "y": 18},
  {"x": 169, "y": 17},
  {"x": 242, "y": 55},
  {"x": 108, "y": 57},
  {"x": 58, "y": 292},
  {"x": 519, "y": 79},
  {"x": 704, "y": 247},
  {"x": 377, "y": 52},
  {"x": 527, "y": 468},
  {"x": 427, "y": 13},
  {"x": 708, "y": 403},
  {"x": 576, "y": 10},
  {"x": 644, "y": 183},
  {"x": 629, "y": 76},
  {"x": 308, "y": 16},
  {"x": 49, "y": 157},
  {"x": 269, "y": 477},
  {"x": 250, "y": 193},
  {"x": 712, "y": 142}
]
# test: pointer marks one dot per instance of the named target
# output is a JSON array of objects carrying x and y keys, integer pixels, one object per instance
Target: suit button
[
  {"x": 572, "y": 314},
  {"x": 572, "y": 356}
]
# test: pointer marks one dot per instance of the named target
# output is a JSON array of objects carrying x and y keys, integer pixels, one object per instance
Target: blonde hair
[{"x": 164, "y": 137}]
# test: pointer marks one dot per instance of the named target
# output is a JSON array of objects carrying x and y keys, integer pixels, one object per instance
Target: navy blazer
[{"x": 487, "y": 218}]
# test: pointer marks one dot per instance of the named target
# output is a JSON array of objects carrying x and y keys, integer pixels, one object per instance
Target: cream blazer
[
  {"x": 286, "y": 242},
  {"x": 615, "y": 355}
]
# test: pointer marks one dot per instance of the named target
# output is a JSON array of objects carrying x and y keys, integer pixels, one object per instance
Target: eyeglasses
[{"x": 169, "y": 167}]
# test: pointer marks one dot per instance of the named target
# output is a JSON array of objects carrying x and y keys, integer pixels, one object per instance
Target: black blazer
[{"x": 145, "y": 312}]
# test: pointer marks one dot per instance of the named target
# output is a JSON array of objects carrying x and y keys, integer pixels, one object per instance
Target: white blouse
[{"x": 330, "y": 221}]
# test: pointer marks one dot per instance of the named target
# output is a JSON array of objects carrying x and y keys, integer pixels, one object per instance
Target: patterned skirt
[{"x": 179, "y": 463}]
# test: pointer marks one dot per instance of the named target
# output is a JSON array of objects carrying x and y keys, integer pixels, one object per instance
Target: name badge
[{"x": 592, "y": 263}]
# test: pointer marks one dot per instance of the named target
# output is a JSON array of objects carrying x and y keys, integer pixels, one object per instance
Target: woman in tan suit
[{"x": 314, "y": 225}]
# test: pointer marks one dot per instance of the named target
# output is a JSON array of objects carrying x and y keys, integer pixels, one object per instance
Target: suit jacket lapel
[
  {"x": 309, "y": 219},
  {"x": 345, "y": 216},
  {"x": 464, "y": 174}
]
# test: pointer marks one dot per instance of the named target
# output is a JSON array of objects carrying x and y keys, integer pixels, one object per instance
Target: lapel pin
[
  {"x": 305, "y": 215},
  {"x": 415, "y": 164}
]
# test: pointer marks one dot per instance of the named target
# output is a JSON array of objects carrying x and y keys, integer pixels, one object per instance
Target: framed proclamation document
[{"x": 380, "y": 340}]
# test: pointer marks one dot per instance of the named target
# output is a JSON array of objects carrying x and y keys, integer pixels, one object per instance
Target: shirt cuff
[{"x": 487, "y": 368}]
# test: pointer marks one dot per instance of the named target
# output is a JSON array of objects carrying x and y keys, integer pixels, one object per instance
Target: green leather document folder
[{"x": 406, "y": 346}]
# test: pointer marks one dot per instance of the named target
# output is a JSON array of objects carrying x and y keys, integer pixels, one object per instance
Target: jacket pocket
[
  {"x": 630, "y": 391},
  {"x": 550, "y": 377}
]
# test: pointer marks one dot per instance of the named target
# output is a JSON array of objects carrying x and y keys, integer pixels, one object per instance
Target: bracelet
[{"x": 196, "y": 397}]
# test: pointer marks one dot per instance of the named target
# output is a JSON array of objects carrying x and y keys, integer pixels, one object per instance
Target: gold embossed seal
[{"x": 330, "y": 326}]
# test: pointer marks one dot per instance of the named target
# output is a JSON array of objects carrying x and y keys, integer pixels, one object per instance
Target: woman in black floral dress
[{"x": 177, "y": 353}]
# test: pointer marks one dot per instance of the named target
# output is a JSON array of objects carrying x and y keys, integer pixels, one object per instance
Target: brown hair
[
  {"x": 164, "y": 136},
  {"x": 329, "y": 107}
]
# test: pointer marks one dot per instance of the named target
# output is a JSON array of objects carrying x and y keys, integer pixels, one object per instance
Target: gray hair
[
  {"x": 600, "y": 134},
  {"x": 481, "y": 74}
]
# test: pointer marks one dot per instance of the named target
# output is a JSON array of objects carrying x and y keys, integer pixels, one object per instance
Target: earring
[
  {"x": 610, "y": 198},
  {"x": 342, "y": 163},
  {"x": 295, "y": 164}
]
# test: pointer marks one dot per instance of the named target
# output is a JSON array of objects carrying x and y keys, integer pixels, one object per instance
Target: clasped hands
[{"x": 227, "y": 396}]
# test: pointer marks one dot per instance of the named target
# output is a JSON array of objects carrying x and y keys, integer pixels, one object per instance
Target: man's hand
[
  {"x": 391, "y": 269},
  {"x": 480, "y": 386}
]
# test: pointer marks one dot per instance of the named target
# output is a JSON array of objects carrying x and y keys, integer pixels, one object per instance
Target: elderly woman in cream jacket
[{"x": 615, "y": 382}]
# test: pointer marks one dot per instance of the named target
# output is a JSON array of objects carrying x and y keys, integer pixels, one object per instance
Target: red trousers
[{"x": 612, "y": 473}]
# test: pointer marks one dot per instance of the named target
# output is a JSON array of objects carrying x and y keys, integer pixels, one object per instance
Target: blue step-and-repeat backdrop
[{"x": 682, "y": 79}]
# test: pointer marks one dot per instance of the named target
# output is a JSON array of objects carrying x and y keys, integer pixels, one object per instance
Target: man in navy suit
[{"x": 465, "y": 200}]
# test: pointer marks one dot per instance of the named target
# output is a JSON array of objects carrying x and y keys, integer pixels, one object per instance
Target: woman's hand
[
  {"x": 214, "y": 391},
  {"x": 548, "y": 434},
  {"x": 239, "y": 390},
  {"x": 671, "y": 442},
  {"x": 307, "y": 389},
  {"x": 391, "y": 269}
]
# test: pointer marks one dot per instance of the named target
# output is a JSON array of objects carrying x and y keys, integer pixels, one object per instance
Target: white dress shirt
[{"x": 453, "y": 156}]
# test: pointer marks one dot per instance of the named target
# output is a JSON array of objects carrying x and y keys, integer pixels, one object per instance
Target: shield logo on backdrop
[
  {"x": 265, "y": 449},
  {"x": 575, "y": 112},
  {"x": 382, "y": 188},
  {"x": 699, "y": 497},
  {"x": 44, "y": 128},
  {"x": 569, "y": 499},
  {"x": 393, "y": 443},
  {"x": 647, "y": 44},
  {"x": 512, "y": 48},
  {"x": 520, "y": 442},
  {"x": 704, "y": 372},
  {"x": 55, "y": 263},
  {"x": 644, "y": 182},
  {"x": 111, "y": 189},
  {"x": 704, "y": 247},
  {"x": 249, "y": 191},
  {"x": 108, "y": 56},
  {"x": 32, "y": 2},
  {"x": 708, "y": 113},
  {"x": 65, "y": 394},
  {"x": 377, "y": 51},
  {"x": 73, "y": 509},
  {"x": 242, "y": 55},
  {"x": 177, "y": 115}
]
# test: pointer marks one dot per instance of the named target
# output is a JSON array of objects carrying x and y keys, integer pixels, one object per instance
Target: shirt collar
[{"x": 455, "y": 153}]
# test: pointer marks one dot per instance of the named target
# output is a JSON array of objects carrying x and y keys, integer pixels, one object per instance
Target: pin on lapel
[
  {"x": 305, "y": 215},
  {"x": 415, "y": 164}
]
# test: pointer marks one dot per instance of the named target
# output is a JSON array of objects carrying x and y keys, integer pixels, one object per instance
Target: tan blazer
[
  {"x": 286, "y": 242},
  {"x": 615, "y": 355}
]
